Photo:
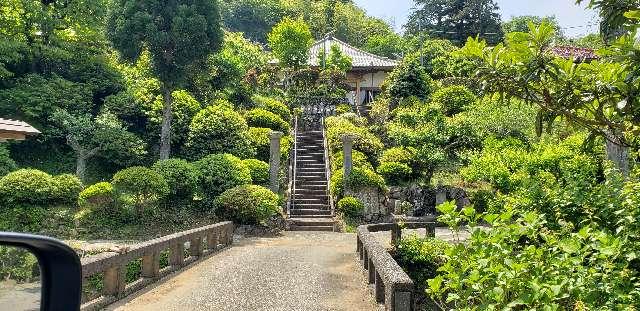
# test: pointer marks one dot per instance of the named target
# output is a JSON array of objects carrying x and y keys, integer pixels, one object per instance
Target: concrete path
[{"x": 297, "y": 271}]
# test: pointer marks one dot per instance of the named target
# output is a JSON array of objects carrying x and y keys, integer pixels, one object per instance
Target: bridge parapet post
[{"x": 113, "y": 266}]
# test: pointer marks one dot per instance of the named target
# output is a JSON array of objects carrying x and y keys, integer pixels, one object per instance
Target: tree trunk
[
  {"x": 617, "y": 153},
  {"x": 81, "y": 167},
  {"x": 165, "y": 134}
]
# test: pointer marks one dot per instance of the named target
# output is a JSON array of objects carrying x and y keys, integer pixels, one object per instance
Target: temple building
[{"x": 366, "y": 75}]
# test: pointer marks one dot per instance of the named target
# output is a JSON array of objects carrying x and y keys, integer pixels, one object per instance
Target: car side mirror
[{"x": 26, "y": 259}]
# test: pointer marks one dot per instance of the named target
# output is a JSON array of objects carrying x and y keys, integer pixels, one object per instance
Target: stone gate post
[
  {"x": 274, "y": 161},
  {"x": 347, "y": 149}
]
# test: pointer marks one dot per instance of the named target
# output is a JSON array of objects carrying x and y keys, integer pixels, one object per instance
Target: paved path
[{"x": 297, "y": 271}]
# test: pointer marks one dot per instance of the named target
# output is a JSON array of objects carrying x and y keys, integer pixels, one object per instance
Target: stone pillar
[
  {"x": 274, "y": 161},
  {"x": 441, "y": 195},
  {"x": 347, "y": 149}
]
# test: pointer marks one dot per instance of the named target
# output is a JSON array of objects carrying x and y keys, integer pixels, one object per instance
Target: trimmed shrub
[
  {"x": 181, "y": 177},
  {"x": 259, "y": 137},
  {"x": 358, "y": 179},
  {"x": 395, "y": 172},
  {"x": 20, "y": 217},
  {"x": 259, "y": 171},
  {"x": 351, "y": 207},
  {"x": 421, "y": 257},
  {"x": 342, "y": 109},
  {"x": 365, "y": 141},
  {"x": 220, "y": 172},
  {"x": 141, "y": 185},
  {"x": 272, "y": 105},
  {"x": 404, "y": 155},
  {"x": 248, "y": 204},
  {"x": 454, "y": 99},
  {"x": 218, "y": 129},
  {"x": 262, "y": 118},
  {"x": 97, "y": 196},
  {"x": 7, "y": 164},
  {"x": 99, "y": 208},
  {"x": 67, "y": 188},
  {"x": 28, "y": 186}
]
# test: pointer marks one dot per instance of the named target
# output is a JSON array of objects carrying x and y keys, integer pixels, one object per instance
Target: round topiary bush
[
  {"x": 7, "y": 164},
  {"x": 220, "y": 172},
  {"x": 272, "y": 105},
  {"x": 395, "y": 172},
  {"x": 28, "y": 186},
  {"x": 97, "y": 196},
  {"x": 259, "y": 171},
  {"x": 350, "y": 207},
  {"x": 259, "y": 137},
  {"x": 218, "y": 129},
  {"x": 262, "y": 118},
  {"x": 248, "y": 204},
  {"x": 454, "y": 99},
  {"x": 180, "y": 175},
  {"x": 141, "y": 185},
  {"x": 67, "y": 188}
]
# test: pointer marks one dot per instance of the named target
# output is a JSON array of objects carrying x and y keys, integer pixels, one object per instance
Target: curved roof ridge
[{"x": 360, "y": 58}]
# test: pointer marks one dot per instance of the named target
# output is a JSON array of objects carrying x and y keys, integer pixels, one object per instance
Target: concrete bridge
[{"x": 207, "y": 269}]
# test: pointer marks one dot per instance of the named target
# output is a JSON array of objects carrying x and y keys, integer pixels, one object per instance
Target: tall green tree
[
  {"x": 254, "y": 18},
  {"x": 290, "y": 41},
  {"x": 179, "y": 34},
  {"x": 521, "y": 24},
  {"x": 456, "y": 20},
  {"x": 612, "y": 15}
]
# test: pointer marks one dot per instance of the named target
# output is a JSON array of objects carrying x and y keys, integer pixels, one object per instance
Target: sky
[{"x": 575, "y": 20}]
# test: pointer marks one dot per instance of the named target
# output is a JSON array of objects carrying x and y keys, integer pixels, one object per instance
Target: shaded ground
[
  {"x": 19, "y": 297},
  {"x": 297, "y": 271}
]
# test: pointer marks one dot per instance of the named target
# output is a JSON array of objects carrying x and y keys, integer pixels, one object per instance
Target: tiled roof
[
  {"x": 360, "y": 59},
  {"x": 579, "y": 54},
  {"x": 18, "y": 127}
]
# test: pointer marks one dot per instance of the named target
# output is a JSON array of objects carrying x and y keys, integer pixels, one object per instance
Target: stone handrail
[
  {"x": 202, "y": 241},
  {"x": 393, "y": 287}
]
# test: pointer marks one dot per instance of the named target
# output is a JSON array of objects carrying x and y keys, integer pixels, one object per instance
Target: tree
[
  {"x": 253, "y": 18},
  {"x": 389, "y": 45},
  {"x": 601, "y": 96},
  {"x": 521, "y": 24},
  {"x": 408, "y": 79},
  {"x": 336, "y": 60},
  {"x": 88, "y": 136},
  {"x": 456, "y": 20},
  {"x": 178, "y": 35},
  {"x": 290, "y": 41},
  {"x": 612, "y": 14}
]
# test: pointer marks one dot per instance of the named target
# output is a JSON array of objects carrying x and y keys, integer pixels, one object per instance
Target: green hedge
[
  {"x": 358, "y": 159},
  {"x": 99, "y": 209},
  {"x": 259, "y": 171},
  {"x": 272, "y": 105},
  {"x": 140, "y": 186},
  {"x": 248, "y": 204},
  {"x": 395, "y": 173},
  {"x": 358, "y": 179},
  {"x": 97, "y": 196},
  {"x": 181, "y": 177},
  {"x": 29, "y": 186},
  {"x": 454, "y": 99},
  {"x": 351, "y": 207},
  {"x": 421, "y": 257},
  {"x": 220, "y": 172},
  {"x": 263, "y": 118},
  {"x": 219, "y": 129}
]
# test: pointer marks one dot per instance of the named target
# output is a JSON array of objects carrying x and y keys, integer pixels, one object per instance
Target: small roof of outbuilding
[
  {"x": 14, "y": 129},
  {"x": 359, "y": 58}
]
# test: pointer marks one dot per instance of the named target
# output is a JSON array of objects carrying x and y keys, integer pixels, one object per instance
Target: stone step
[
  {"x": 311, "y": 174},
  {"x": 311, "y": 228},
  {"x": 311, "y": 169},
  {"x": 298, "y": 202},
  {"x": 311, "y": 222},
  {"x": 310, "y": 212},
  {"x": 318, "y": 206},
  {"x": 306, "y": 187},
  {"x": 311, "y": 192}
]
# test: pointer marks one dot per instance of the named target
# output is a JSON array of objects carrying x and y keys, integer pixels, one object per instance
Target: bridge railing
[
  {"x": 392, "y": 286},
  {"x": 113, "y": 266}
]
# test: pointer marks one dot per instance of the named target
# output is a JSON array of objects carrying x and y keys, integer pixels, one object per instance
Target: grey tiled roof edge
[{"x": 360, "y": 59}]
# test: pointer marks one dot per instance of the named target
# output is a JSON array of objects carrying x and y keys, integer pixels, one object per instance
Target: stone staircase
[{"x": 310, "y": 208}]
